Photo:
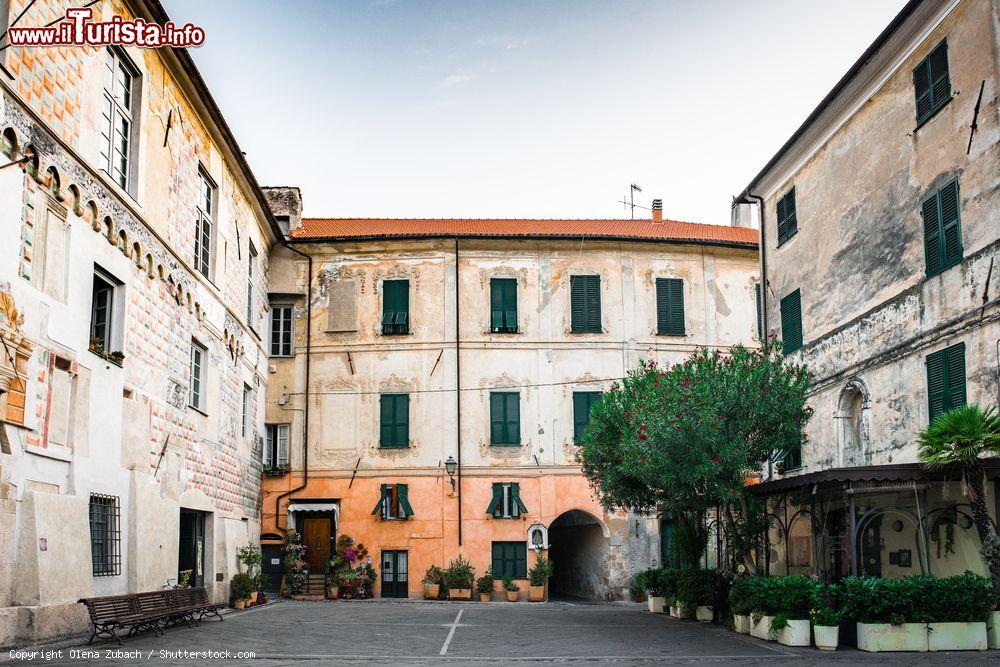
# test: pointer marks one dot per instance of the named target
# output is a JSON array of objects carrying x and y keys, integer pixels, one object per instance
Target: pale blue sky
[{"x": 511, "y": 108}]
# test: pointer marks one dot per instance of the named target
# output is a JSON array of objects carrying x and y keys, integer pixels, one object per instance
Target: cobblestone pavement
[{"x": 418, "y": 633}]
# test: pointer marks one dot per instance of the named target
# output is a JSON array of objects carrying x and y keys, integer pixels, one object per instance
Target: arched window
[
  {"x": 8, "y": 143},
  {"x": 852, "y": 423}
]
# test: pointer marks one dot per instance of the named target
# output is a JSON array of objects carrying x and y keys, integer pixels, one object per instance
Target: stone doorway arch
[{"x": 578, "y": 547}]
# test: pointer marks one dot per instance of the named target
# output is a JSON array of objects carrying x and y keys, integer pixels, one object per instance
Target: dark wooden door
[
  {"x": 316, "y": 540},
  {"x": 395, "y": 574},
  {"x": 191, "y": 554}
]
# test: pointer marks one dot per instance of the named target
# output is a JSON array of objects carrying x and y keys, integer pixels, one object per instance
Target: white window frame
[
  {"x": 115, "y": 306},
  {"x": 275, "y": 326},
  {"x": 247, "y": 413},
  {"x": 205, "y": 227},
  {"x": 279, "y": 449},
  {"x": 199, "y": 374},
  {"x": 251, "y": 261},
  {"x": 119, "y": 107}
]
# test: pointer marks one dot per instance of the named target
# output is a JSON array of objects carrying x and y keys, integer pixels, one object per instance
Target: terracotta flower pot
[
  {"x": 536, "y": 593},
  {"x": 485, "y": 597},
  {"x": 460, "y": 593},
  {"x": 332, "y": 592},
  {"x": 512, "y": 596},
  {"x": 431, "y": 591},
  {"x": 240, "y": 604}
]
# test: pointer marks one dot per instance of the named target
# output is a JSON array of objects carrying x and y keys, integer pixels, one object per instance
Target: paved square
[{"x": 404, "y": 633}]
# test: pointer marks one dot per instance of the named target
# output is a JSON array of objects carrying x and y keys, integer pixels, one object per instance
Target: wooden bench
[{"x": 151, "y": 610}]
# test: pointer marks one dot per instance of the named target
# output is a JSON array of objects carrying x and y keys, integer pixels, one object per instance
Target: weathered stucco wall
[
  {"x": 78, "y": 423},
  {"x": 870, "y": 314},
  {"x": 544, "y": 359}
]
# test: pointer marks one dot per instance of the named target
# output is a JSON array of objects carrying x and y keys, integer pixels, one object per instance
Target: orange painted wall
[{"x": 431, "y": 536}]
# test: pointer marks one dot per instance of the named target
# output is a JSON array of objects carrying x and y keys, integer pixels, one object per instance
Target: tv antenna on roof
[{"x": 630, "y": 204}]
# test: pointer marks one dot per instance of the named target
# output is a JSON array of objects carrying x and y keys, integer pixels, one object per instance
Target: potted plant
[
  {"x": 826, "y": 628},
  {"x": 295, "y": 566},
  {"x": 332, "y": 586},
  {"x": 432, "y": 582},
  {"x": 459, "y": 578},
  {"x": 250, "y": 559},
  {"x": 484, "y": 585},
  {"x": 741, "y": 604},
  {"x": 511, "y": 587},
  {"x": 241, "y": 586},
  {"x": 696, "y": 594},
  {"x": 891, "y": 614},
  {"x": 962, "y": 605},
  {"x": 538, "y": 575},
  {"x": 793, "y": 598},
  {"x": 117, "y": 357},
  {"x": 638, "y": 588}
]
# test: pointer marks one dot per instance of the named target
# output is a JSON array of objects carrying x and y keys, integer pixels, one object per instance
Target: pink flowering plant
[{"x": 687, "y": 437}]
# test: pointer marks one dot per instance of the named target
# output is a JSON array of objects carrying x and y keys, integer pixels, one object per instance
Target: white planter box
[
  {"x": 993, "y": 630},
  {"x": 741, "y": 624},
  {"x": 703, "y": 614},
  {"x": 656, "y": 604},
  {"x": 827, "y": 637},
  {"x": 675, "y": 611},
  {"x": 875, "y": 637},
  {"x": 956, "y": 636},
  {"x": 796, "y": 634},
  {"x": 762, "y": 628}
]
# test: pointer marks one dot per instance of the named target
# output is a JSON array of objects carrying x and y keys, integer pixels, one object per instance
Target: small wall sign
[{"x": 43, "y": 544}]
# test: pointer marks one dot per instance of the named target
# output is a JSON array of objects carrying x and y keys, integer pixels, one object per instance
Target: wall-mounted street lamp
[{"x": 450, "y": 466}]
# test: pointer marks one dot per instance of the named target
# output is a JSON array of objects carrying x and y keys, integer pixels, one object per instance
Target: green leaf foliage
[
  {"x": 966, "y": 597},
  {"x": 960, "y": 435}
]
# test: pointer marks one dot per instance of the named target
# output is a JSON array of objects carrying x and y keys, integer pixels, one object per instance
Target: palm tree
[{"x": 961, "y": 437}]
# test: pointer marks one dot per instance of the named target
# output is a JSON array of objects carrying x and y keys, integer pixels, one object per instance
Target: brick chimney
[
  {"x": 657, "y": 211},
  {"x": 286, "y": 205}
]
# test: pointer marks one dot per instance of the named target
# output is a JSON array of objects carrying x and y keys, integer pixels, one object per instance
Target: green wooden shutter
[
  {"x": 932, "y": 234},
  {"x": 520, "y": 558},
  {"x": 955, "y": 360},
  {"x": 496, "y": 504},
  {"x": 395, "y": 306},
  {"x": 578, "y": 303},
  {"x": 931, "y": 83},
  {"x": 594, "y": 304},
  {"x": 791, "y": 322},
  {"x": 381, "y": 501},
  {"x": 517, "y": 505},
  {"x": 583, "y": 403},
  {"x": 670, "y": 306},
  {"x": 951, "y": 226},
  {"x": 394, "y": 420},
  {"x": 787, "y": 219},
  {"x": 497, "y": 559},
  {"x": 402, "y": 493},
  {"x": 513, "y": 419},
  {"x": 503, "y": 305},
  {"x": 496, "y": 418}
]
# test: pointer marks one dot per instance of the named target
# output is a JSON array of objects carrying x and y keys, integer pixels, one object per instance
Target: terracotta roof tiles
[{"x": 634, "y": 230}]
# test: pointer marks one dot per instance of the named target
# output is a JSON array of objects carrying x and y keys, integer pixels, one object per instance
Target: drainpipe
[
  {"x": 305, "y": 412},
  {"x": 458, "y": 400},
  {"x": 748, "y": 198}
]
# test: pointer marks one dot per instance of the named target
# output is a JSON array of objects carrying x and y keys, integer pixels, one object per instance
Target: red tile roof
[{"x": 633, "y": 230}]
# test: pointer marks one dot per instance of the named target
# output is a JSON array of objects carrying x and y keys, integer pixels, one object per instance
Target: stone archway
[
  {"x": 852, "y": 416},
  {"x": 578, "y": 547}
]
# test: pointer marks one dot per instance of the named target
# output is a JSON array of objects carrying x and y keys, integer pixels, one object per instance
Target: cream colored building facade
[
  {"x": 880, "y": 253},
  {"x": 538, "y": 361},
  {"x": 132, "y": 301}
]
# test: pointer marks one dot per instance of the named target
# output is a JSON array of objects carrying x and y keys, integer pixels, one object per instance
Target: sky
[{"x": 516, "y": 108}]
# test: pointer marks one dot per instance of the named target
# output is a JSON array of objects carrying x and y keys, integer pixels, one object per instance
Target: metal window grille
[{"x": 105, "y": 535}]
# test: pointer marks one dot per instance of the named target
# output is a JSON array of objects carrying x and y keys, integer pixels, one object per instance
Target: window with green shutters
[
  {"x": 510, "y": 559},
  {"x": 942, "y": 229},
  {"x": 503, "y": 305},
  {"x": 505, "y": 418},
  {"x": 945, "y": 380},
  {"x": 931, "y": 84},
  {"x": 583, "y": 401},
  {"x": 791, "y": 322},
  {"x": 585, "y": 304},
  {"x": 670, "y": 306},
  {"x": 393, "y": 503},
  {"x": 788, "y": 223},
  {"x": 394, "y": 420},
  {"x": 395, "y": 307},
  {"x": 506, "y": 502}
]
